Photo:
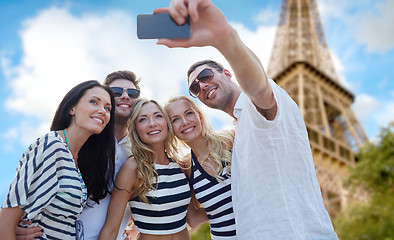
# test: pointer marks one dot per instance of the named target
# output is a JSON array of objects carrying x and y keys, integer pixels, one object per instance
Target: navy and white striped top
[
  {"x": 48, "y": 188},
  {"x": 215, "y": 197},
  {"x": 166, "y": 213}
]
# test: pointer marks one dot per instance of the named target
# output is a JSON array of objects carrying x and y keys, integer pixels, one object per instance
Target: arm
[
  {"x": 9, "y": 219},
  {"x": 28, "y": 195},
  {"x": 23, "y": 233},
  {"x": 125, "y": 183},
  {"x": 130, "y": 233},
  {"x": 195, "y": 215},
  {"x": 209, "y": 27}
]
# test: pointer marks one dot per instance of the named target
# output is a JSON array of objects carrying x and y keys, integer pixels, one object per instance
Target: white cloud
[
  {"x": 371, "y": 22},
  {"x": 329, "y": 9},
  {"x": 385, "y": 115},
  {"x": 61, "y": 50},
  {"x": 364, "y": 106},
  {"x": 375, "y": 27},
  {"x": 260, "y": 42},
  {"x": 218, "y": 117},
  {"x": 340, "y": 70},
  {"x": 267, "y": 16},
  {"x": 24, "y": 133},
  {"x": 379, "y": 113}
]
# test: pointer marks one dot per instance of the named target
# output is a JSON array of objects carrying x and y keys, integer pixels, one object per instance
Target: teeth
[
  {"x": 188, "y": 130},
  {"x": 211, "y": 92},
  {"x": 123, "y": 105},
  {"x": 98, "y": 120},
  {"x": 154, "y": 132}
]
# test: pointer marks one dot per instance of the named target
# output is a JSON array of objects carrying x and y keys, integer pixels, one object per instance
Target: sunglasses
[
  {"x": 204, "y": 76},
  {"x": 131, "y": 92}
]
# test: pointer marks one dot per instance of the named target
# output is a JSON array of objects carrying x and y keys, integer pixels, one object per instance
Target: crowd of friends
[{"x": 111, "y": 165}]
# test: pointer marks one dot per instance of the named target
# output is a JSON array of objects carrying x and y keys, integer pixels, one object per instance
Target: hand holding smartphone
[{"x": 160, "y": 25}]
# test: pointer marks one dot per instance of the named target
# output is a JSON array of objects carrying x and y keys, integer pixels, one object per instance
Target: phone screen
[{"x": 160, "y": 25}]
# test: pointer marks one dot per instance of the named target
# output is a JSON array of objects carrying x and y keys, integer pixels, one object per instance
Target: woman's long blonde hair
[
  {"x": 220, "y": 143},
  {"x": 147, "y": 176}
]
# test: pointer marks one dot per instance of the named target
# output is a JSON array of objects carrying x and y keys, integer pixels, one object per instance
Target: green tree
[
  {"x": 374, "y": 172},
  {"x": 201, "y": 233}
]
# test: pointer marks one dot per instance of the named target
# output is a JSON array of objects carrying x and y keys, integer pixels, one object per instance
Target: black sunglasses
[
  {"x": 205, "y": 75},
  {"x": 131, "y": 92}
]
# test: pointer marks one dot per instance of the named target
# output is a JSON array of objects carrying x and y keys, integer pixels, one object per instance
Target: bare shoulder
[
  {"x": 185, "y": 164},
  {"x": 127, "y": 175},
  {"x": 130, "y": 164},
  {"x": 185, "y": 161}
]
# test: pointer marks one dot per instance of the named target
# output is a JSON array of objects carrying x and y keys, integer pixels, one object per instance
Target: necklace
[
  {"x": 83, "y": 186},
  {"x": 65, "y": 137}
]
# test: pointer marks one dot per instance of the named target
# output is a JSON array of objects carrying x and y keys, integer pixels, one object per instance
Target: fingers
[
  {"x": 171, "y": 43},
  {"x": 26, "y": 222},
  {"x": 179, "y": 11},
  {"x": 193, "y": 10},
  {"x": 28, "y": 237},
  {"x": 27, "y": 233},
  {"x": 161, "y": 10}
]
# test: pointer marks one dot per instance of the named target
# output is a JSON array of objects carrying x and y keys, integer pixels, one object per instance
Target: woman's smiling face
[
  {"x": 185, "y": 120},
  {"x": 151, "y": 125}
]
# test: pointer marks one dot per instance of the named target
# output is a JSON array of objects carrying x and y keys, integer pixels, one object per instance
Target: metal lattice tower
[{"x": 301, "y": 64}]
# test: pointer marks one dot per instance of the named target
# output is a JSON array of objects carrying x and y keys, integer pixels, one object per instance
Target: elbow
[
  {"x": 192, "y": 223},
  {"x": 192, "y": 219},
  {"x": 196, "y": 220},
  {"x": 107, "y": 233}
]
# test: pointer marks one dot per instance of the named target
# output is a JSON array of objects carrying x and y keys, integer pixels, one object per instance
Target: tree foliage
[
  {"x": 201, "y": 233},
  {"x": 374, "y": 172}
]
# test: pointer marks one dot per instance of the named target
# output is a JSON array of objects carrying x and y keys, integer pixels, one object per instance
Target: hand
[
  {"x": 209, "y": 26},
  {"x": 130, "y": 233},
  {"x": 27, "y": 233}
]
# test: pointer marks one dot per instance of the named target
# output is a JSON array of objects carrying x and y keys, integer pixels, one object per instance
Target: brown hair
[{"x": 124, "y": 74}]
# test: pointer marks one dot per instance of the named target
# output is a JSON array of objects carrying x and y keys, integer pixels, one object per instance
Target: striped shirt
[
  {"x": 48, "y": 188},
  {"x": 166, "y": 213},
  {"x": 215, "y": 197}
]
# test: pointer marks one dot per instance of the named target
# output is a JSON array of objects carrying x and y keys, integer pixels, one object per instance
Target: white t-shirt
[
  {"x": 276, "y": 194},
  {"x": 93, "y": 217}
]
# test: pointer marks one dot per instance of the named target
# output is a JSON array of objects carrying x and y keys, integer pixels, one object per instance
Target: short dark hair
[
  {"x": 208, "y": 62},
  {"x": 124, "y": 74},
  {"x": 96, "y": 158}
]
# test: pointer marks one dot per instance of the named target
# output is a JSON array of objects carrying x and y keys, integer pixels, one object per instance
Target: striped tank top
[
  {"x": 215, "y": 197},
  {"x": 166, "y": 213}
]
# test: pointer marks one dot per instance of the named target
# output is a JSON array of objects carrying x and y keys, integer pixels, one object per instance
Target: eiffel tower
[{"x": 301, "y": 64}]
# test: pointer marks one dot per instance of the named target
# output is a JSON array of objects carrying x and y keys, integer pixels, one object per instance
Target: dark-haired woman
[{"x": 48, "y": 188}]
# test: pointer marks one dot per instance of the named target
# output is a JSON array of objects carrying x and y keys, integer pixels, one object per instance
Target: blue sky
[{"x": 48, "y": 46}]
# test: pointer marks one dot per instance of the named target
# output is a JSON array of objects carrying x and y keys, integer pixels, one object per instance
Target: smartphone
[{"x": 160, "y": 25}]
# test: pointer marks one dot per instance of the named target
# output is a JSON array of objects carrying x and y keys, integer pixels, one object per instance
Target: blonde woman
[
  {"x": 210, "y": 171},
  {"x": 151, "y": 180}
]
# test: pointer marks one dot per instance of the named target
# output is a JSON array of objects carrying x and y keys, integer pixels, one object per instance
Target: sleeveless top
[
  {"x": 166, "y": 211},
  {"x": 215, "y": 197}
]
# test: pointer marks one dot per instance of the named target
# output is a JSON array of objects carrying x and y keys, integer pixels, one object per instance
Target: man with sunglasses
[
  {"x": 126, "y": 90},
  {"x": 124, "y": 85},
  {"x": 275, "y": 191}
]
